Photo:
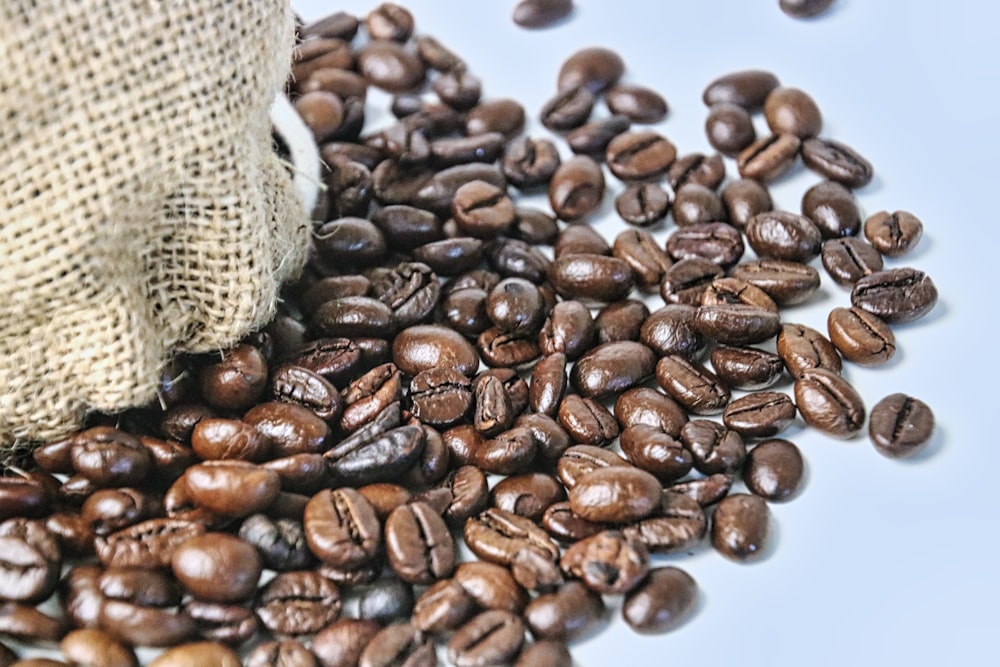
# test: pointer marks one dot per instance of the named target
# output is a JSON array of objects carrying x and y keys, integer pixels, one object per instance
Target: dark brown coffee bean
[
  {"x": 288, "y": 428},
  {"x": 231, "y": 488},
  {"x": 377, "y": 452},
  {"x": 593, "y": 277},
  {"x": 29, "y": 566},
  {"x": 544, "y": 653},
  {"x": 437, "y": 192},
  {"x": 664, "y": 600},
  {"x": 762, "y": 414},
  {"x": 686, "y": 281},
  {"x": 150, "y": 543},
  {"x": 612, "y": 368},
  {"x": 587, "y": 421},
  {"x": 284, "y": 653},
  {"x": 769, "y": 157},
  {"x": 491, "y": 586},
  {"x": 298, "y": 603},
  {"x": 691, "y": 385},
  {"x": 302, "y": 386},
  {"x": 639, "y": 155},
  {"x": 639, "y": 103},
  {"x": 322, "y": 112},
  {"x": 390, "y": 66},
  {"x": 642, "y": 204},
  {"x": 718, "y": 242},
  {"x": 592, "y": 139},
  {"x": 425, "y": 346},
  {"x": 109, "y": 457},
  {"x": 860, "y": 336},
  {"x": 829, "y": 403},
  {"x": 741, "y": 526},
  {"x": 110, "y": 510},
  {"x": 443, "y": 607},
  {"x": 370, "y": 394},
  {"x": 350, "y": 241},
  {"x": 315, "y": 54},
  {"x": 802, "y": 347},
  {"x": 774, "y": 470},
  {"x": 418, "y": 545},
  {"x": 360, "y": 576},
  {"x": 497, "y": 535},
  {"x": 527, "y": 495},
  {"x": 746, "y": 368},
  {"x": 548, "y": 384},
  {"x": 620, "y": 320},
  {"x": 450, "y": 151},
  {"x": 566, "y": 614},
  {"x": 646, "y": 406},
  {"x": 788, "y": 283},
  {"x": 497, "y": 115},
  {"x": 715, "y": 448},
  {"x": 464, "y": 311},
  {"x": 595, "y": 68},
  {"x": 489, "y": 638},
  {"x": 482, "y": 210},
  {"x": 704, "y": 490},
  {"x": 353, "y": 316},
  {"x": 389, "y": 21},
  {"x": 848, "y": 260},
  {"x": 300, "y": 473},
  {"x": 515, "y": 305},
  {"x": 385, "y": 497},
  {"x": 832, "y": 208},
  {"x": 440, "y": 396},
  {"x": 140, "y": 625},
  {"x": 569, "y": 329},
  {"x": 696, "y": 168},
  {"x": 541, "y": 13},
  {"x": 893, "y": 234},
  {"x": 900, "y": 426},
  {"x": 563, "y": 524},
  {"x": 506, "y": 350},
  {"x": 340, "y": 644},
  {"x": 670, "y": 330},
  {"x": 783, "y": 235},
  {"x": 551, "y": 440},
  {"x": 616, "y": 494},
  {"x": 410, "y": 290},
  {"x": 528, "y": 162},
  {"x": 729, "y": 128},
  {"x": 449, "y": 257},
  {"x": 695, "y": 204},
  {"x": 736, "y": 324},
  {"x": 743, "y": 199},
  {"x": 74, "y": 536},
  {"x": 336, "y": 359},
  {"x": 569, "y": 108},
  {"x": 217, "y": 567},
  {"x": 579, "y": 460},
  {"x": 580, "y": 239},
  {"x": 341, "y": 528},
  {"x": 792, "y": 111},
  {"x": 534, "y": 225},
  {"x": 837, "y": 162},
  {"x": 895, "y": 295},
  {"x": 461, "y": 494},
  {"x": 198, "y": 654},
  {"x": 802, "y": 9},
  {"x": 90, "y": 646},
  {"x": 654, "y": 451},
  {"x": 746, "y": 88},
  {"x": 723, "y": 291},
  {"x": 230, "y": 624},
  {"x": 458, "y": 88},
  {"x": 608, "y": 563},
  {"x": 24, "y": 496},
  {"x": 576, "y": 188},
  {"x": 281, "y": 543},
  {"x": 350, "y": 189},
  {"x": 642, "y": 253}
]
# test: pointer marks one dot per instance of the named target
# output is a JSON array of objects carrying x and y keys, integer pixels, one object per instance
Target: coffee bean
[
  {"x": 900, "y": 426},
  {"x": 788, "y": 283},
  {"x": 443, "y": 607},
  {"x": 656, "y": 452},
  {"x": 802, "y": 9},
  {"x": 568, "y": 109},
  {"x": 848, "y": 260},
  {"x": 746, "y": 88},
  {"x": 802, "y": 348},
  {"x": 643, "y": 405},
  {"x": 566, "y": 614},
  {"x": 410, "y": 290},
  {"x": 576, "y": 188},
  {"x": 615, "y": 494},
  {"x": 705, "y": 490},
  {"x": 893, "y": 234},
  {"x": 642, "y": 204},
  {"x": 513, "y": 258},
  {"x": 230, "y": 624},
  {"x": 491, "y": 586},
  {"x": 353, "y": 316},
  {"x": 695, "y": 204},
  {"x": 792, "y": 111},
  {"x": 298, "y": 603},
  {"x": 639, "y": 103},
  {"x": 482, "y": 210},
  {"x": 491, "y": 637},
  {"x": 595, "y": 68},
  {"x": 109, "y": 457},
  {"x": 762, "y": 414},
  {"x": 718, "y": 242},
  {"x": 620, "y": 320},
  {"x": 832, "y": 208},
  {"x": 608, "y": 563},
  {"x": 639, "y": 155},
  {"x": 497, "y": 536},
  {"x": 440, "y": 396},
  {"x": 281, "y": 543},
  {"x": 527, "y": 495},
  {"x": 25, "y": 497},
  {"x": 336, "y": 359},
  {"x": 860, "y": 336},
  {"x": 464, "y": 311},
  {"x": 398, "y": 644},
  {"x": 198, "y": 654},
  {"x": 541, "y": 13},
  {"x": 284, "y": 653},
  {"x": 544, "y": 653},
  {"x": 829, "y": 403},
  {"x": 774, "y": 470},
  {"x": 767, "y": 158},
  {"x": 895, "y": 295},
  {"x": 515, "y": 305},
  {"x": 692, "y": 385},
  {"x": 529, "y": 162},
  {"x": 679, "y": 524},
  {"x": 322, "y": 53},
  {"x": 579, "y": 460},
  {"x": 612, "y": 368},
  {"x": 425, "y": 346},
  {"x": 592, "y": 139},
  {"x": 746, "y": 368},
  {"x": 341, "y": 528},
  {"x": 671, "y": 330},
  {"x": 451, "y": 151},
  {"x": 458, "y": 88},
  {"x": 350, "y": 241},
  {"x": 231, "y": 488},
  {"x": 340, "y": 644},
  {"x": 460, "y": 495},
  {"x": 696, "y": 168},
  {"x": 686, "y": 281},
  {"x": 837, "y": 162},
  {"x": 286, "y": 429},
  {"x": 371, "y": 394},
  {"x": 736, "y": 323},
  {"x": 563, "y": 524},
  {"x": 340, "y": 25},
  {"x": 385, "y": 497},
  {"x": 587, "y": 421},
  {"x": 140, "y": 625},
  {"x": 743, "y": 199},
  {"x": 217, "y": 567},
  {"x": 551, "y": 439},
  {"x": 534, "y": 225},
  {"x": 741, "y": 527},
  {"x": 569, "y": 329},
  {"x": 783, "y": 235},
  {"x": 110, "y": 510},
  {"x": 388, "y": 65},
  {"x": 389, "y": 21},
  {"x": 663, "y": 601},
  {"x": 90, "y": 646},
  {"x": 29, "y": 568},
  {"x": 548, "y": 384},
  {"x": 419, "y": 547},
  {"x": 438, "y": 191},
  {"x": 499, "y": 348},
  {"x": 729, "y": 128},
  {"x": 149, "y": 543},
  {"x": 580, "y": 239},
  {"x": 735, "y": 291}
]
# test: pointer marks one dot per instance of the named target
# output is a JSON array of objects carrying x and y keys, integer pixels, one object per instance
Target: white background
[{"x": 876, "y": 562}]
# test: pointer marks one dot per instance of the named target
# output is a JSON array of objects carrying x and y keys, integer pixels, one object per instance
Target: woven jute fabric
[{"x": 143, "y": 210}]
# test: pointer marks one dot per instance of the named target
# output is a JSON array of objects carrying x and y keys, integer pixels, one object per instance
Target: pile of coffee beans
[{"x": 457, "y": 368}]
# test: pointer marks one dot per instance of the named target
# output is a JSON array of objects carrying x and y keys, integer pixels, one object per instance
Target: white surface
[{"x": 877, "y": 562}]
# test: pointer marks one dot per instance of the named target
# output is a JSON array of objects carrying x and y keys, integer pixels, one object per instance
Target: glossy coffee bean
[
  {"x": 551, "y": 439},
  {"x": 544, "y": 653},
  {"x": 609, "y": 562},
  {"x": 664, "y": 600},
  {"x": 370, "y": 394},
  {"x": 30, "y": 565},
  {"x": 569, "y": 108},
  {"x": 595, "y": 68},
  {"x": 647, "y": 406},
  {"x": 482, "y": 210},
  {"x": 527, "y": 495},
  {"x": 788, "y": 283},
  {"x": 198, "y": 654},
  {"x": 236, "y": 381},
  {"x": 298, "y": 603},
  {"x": 900, "y": 426},
  {"x": 802, "y": 348},
  {"x": 694, "y": 204},
  {"x": 746, "y": 88},
  {"x": 895, "y": 295},
  {"x": 491, "y": 637},
  {"x": 746, "y": 368},
  {"x": 290, "y": 429},
  {"x": 718, "y": 242},
  {"x": 515, "y": 305},
  {"x": 576, "y": 188},
  {"x": 566, "y": 614},
  {"x": 686, "y": 281},
  {"x": 670, "y": 330},
  {"x": 286, "y": 653},
  {"x": 792, "y": 111},
  {"x": 678, "y": 525},
  {"x": 654, "y": 451},
  {"x": 744, "y": 198},
  {"x": 762, "y": 414},
  {"x": 569, "y": 329},
  {"x": 440, "y": 396},
  {"x": 419, "y": 547},
  {"x": 541, "y": 13},
  {"x": 714, "y": 448},
  {"x": 530, "y": 162},
  {"x": 548, "y": 384},
  {"x": 729, "y": 128},
  {"x": 860, "y": 336},
  {"x": 281, "y": 543},
  {"x": 620, "y": 320},
  {"x": 425, "y": 346},
  {"x": 502, "y": 115},
  {"x": 90, "y": 646},
  {"x": 639, "y": 103},
  {"x": 767, "y": 158},
  {"x": 587, "y": 421},
  {"x": 592, "y": 139},
  {"x": 783, "y": 235},
  {"x": 386, "y": 601},
  {"x": 644, "y": 255},
  {"x": 612, "y": 368},
  {"x": 497, "y": 536},
  {"x": 704, "y": 491},
  {"x": 696, "y": 168},
  {"x": 736, "y": 323},
  {"x": 893, "y": 234},
  {"x": 388, "y": 65},
  {"x": 832, "y": 208},
  {"x": 639, "y": 155},
  {"x": 578, "y": 460},
  {"x": 642, "y": 204},
  {"x": 850, "y": 259},
  {"x": 233, "y": 439},
  {"x": 491, "y": 586},
  {"x": 443, "y": 607},
  {"x": 342, "y": 528},
  {"x": 774, "y": 470},
  {"x": 109, "y": 457},
  {"x": 149, "y": 543},
  {"x": 829, "y": 403},
  {"x": 741, "y": 527},
  {"x": 231, "y": 488},
  {"x": 692, "y": 385},
  {"x": 615, "y": 494},
  {"x": 217, "y": 567}
]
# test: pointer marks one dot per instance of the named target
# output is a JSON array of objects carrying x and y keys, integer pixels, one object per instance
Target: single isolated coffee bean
[
  {"x": 829, "y": 403},
  {"x": 541, "y": 13},
  {"x": 662, "y": 602},
  {"x": 746, "y": 88},
  {"x": 740, "y": 527},
  {"x": 900, "y": 426},
  {"x": 774, "y": 469},
  {"x": 895, "y": 295},
  {"x": 893, "y": 234},
  {"x": 616, "y": 494},
  {"x": 595, "y": 68},
  {"x": 860, "y": 336},
  {"x": 837, "y": 162}
]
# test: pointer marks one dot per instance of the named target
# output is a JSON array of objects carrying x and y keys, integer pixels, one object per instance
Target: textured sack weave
[{"x": 142, "y": 208}]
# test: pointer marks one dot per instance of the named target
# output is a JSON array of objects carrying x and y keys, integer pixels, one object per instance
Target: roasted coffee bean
[
  {"x": 696, "y": 168},
  {"x": 544, "y": 653},
  {"x": 236, "y": 381},
  {"x": 551, "y": 439},
  {"x": 893, "y": 234},
  {"x": 410, "y": 290},
  {"x": 615, "y": 494},
  {"x": 802, "y": 9},
  {"x": 336, "y": 152},
  {"x": 534, "y": 225},
  {"x": 515, "y": 305},
  {"x": 768, "y": 157},
  {"x": 497, "y": 115},
  {"x": 230, "y": 624},
  {"x": 671, "y": 330},
  {"x": 541, "y": 13},
  {"x": 686, "y": 281},
  {"x": 491, "y": 586},
  {"x": 743, "y": 199},
  {"x": 386, "y": 601},
  {"x": 608, "y": 563},
  {"x": 639, "y": 103},
  {"x": 528, "y": 162},
  {"x": 664, "y": 600},
  {"x": 579, "y": 460},
  {"x": 419, "y": 547},
  {"x": 489, "y": 638},
  {"x": 146, "y": 544},
  {"x": 832, "y": 208},
  {"x": 729, "y": 128},
  {"x": 437, "y": 193},
  {"x": 141, "y": 625},
  {"x": 783, "y": 235},
  {"x": 722, "y": 291},
  {"x": 736, "y": 324},
  {"x": 354, "y": 316},
  {"x": 639, "y": 155},
  {"x": 24, "y": 496},
  {"x": 592, "y": 138},
  {"x": 587, "y": 421},
  {"x": 450, "y": 256},
  {"x": 110, "y": 510},
  {"x": 390, "y": 66},
  {"x": 566, "y": 614},
  {"x": 385, "y": 497},
  {"x": 74, "y": 536},
  {"x": 340, "y": 644},
  {"x": 336, "y": 359},
  {"x": 435, "y": 54},
  {"x": 464, "y": 311},
  {"x": 565, "y": 525},
  {"x": 482, "y": 210},
  {"x": 694, "y": 204},
  {"x": 29, "y": 566},
  {"x": 649, "y": 448},
  {"x": 340, "y": 25},
  {"x": 792, "y": 111},
  {"x": 463, "y": 442},
  {"x": 217, "y": 567},
  {"x": 576, "y": 188},
  {"x": 376, "y": 452},
  {"x": 788, "y": 283},
  {"x": 746, "y": 368},
  {"x": 198, "y": 654},
  {"x": 281, "y": 543},
  {"x": 837, "y": 162},
  {"x": 595, "y": 68},
  {"x": 829, "y": 403},
  {"x": 322, "y": 112},
  {"x": 718, "y": 242},
  {"x": 848, "y": 260},
  {"x": 350, "y": 241},
  {"x": 458, "y": 88},
  {"x": 612, "y": 368},
  {"x": 761, "y": 414},
  {"x": 705, "y": 490},
  {"x": 774, "y": 470},
  {"x": 592, "y": 277},
  {"x": 515, "y": 387},
  {"x": 692, "y": 385},
  {"x": 449, "y": 151},
  {"x": 649, "y": 407},
  {"x": 389, "y": 21},
  {"x": 286, "y": 429},
  {"x": 895, "y": 295},
  {"x": 802, "y": 347},
  {"x": 109, "y": 457},
  {"x": 900, "y": 426},
  {"x": 496, "y": 535},
  {"x": 580, "y": 239},
  {"x": 746, "y": 88},
  {"x": 548, "y": 384},
  {"x": 350, "y": 189},
  {"x": 642, "y": 204},
  {"x": 860, "y": 336},
  {"x": 359, "y": 576},
  {"x": 425, "y": 346},
  {"x": 443, "y": 607},
  {"x": 90, "y": 646},
  {"x": 506, "y": 350},
  {"x": 341, "y": 528},
  {"x": 527, "y": 495},
  {"x": 620, "y": 321},
  {"x": 302, "y": 386},
  {"x": 646, "y": 259},
  {"x": 569, "y": 108},
  {"x": 440, "y": 396},
  {"x": 231, "y": 488},
  {"x": 284, "y": 653},
  {"x": 741, "y": 527},
  {"x": 370, "y": 394},
  {"x": 298, "y": 603},
  {"x": 569, "y": 329},
  {"x": 461, "y": 494},
  {"x": 714, "y": 448},
  {"x": 343, "y": 83}
]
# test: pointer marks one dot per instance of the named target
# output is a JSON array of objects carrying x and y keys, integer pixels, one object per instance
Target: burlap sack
[{"x": 143, "y": 208}]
